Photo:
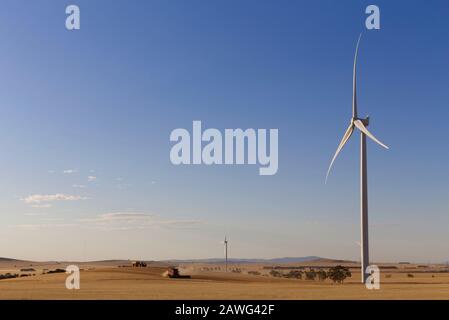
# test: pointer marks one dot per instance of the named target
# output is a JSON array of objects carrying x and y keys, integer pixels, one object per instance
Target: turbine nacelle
[
  {"x": 360, "y": 124},
  {"x": 364, "y": 121}
]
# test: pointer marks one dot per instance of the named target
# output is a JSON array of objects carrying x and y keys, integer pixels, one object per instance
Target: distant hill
[
  {"x": 237, "y": 260},
  {"x": 9, "y": 260}
]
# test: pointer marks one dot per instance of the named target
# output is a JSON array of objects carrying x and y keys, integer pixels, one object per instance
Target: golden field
[{"x": 116, "y": 280}]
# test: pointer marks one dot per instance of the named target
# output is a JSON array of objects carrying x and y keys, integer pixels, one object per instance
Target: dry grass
[{"x": 103, "y": 282}]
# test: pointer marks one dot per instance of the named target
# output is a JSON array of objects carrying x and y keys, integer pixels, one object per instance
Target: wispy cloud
[
  {"x": 81, "y": 186},
  {"x": 136, "y": 220},
  {"x": 122, "y": 186},
  {"x": 34, "y": 214},
  {"x": 42, "y": 205},
  {"x": 91, "y": 178},
  {"x": 39, "y": 198},
  {"x": 115, "y": 221},
  {"x": 180, "y": 223},
  {"x": 114, "y": 216},
  {"x": 45, "y": 226},
  {"x": 69, "y": 171}
]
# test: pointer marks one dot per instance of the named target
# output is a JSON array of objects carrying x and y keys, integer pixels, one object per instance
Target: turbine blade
[
  {"x": 354, "y": 80},
  {"x": 359, "y": 124},
  {"x": 343, "y": 141}
]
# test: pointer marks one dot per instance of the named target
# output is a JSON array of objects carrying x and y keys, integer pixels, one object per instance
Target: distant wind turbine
[
  {"x": 360, "y": 124},
  {"x": 226, "y": 253}
]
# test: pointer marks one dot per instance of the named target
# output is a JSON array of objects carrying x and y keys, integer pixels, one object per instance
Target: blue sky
[{"x": 102, "y": 101}]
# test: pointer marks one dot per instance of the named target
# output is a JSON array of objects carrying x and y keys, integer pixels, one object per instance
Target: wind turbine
[
  {"x": 226, "y": 253},
  {"x": 360, "y": 124}
]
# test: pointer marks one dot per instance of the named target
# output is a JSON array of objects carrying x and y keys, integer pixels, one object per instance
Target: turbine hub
[{"x": 364, "y": 121}]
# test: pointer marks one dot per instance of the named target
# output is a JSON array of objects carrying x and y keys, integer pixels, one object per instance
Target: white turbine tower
[
  {"x": 226, "y": 253},
  {"x": 360, "y": 124}
]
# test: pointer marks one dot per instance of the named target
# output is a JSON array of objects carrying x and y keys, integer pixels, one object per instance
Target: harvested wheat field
[{"x": 109, "y": 281}]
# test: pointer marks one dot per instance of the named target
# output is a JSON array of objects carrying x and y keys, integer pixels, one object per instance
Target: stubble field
[{"x": 103, "y": 281}]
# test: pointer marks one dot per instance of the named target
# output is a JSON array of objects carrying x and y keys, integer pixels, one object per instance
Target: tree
[
  {"x": 311, "y": 274},
  {"x": 275, "y": 273},
  {"x": 339, "y": 274},
  {"x": 294, "y": 274},
  {"x": 322, "y": 275}
]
